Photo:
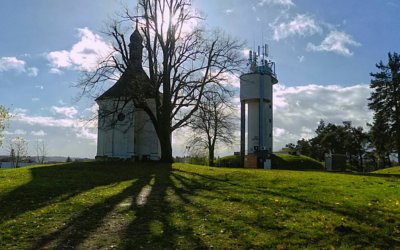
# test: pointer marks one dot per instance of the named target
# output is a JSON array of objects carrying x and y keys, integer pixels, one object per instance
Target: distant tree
[
  {"x": 291, "y": 148},
  {"x": 19, "y": 150},
  {"x": 356, "y": 144},
  {"x": 41, "y": 151},
  {"x": 182, "y": 62},
  {"x": 4, "y": 116},
  {"x": 12, "y": 157},
  {"x": 381, "y": 139},
  {"x": 385, "y": 98},
  {"x": 337, "y": 139},
  {"x": 213, "y": 123},
  {"x": 68, "y": 159},
  {"x": 304, "y": 147}
]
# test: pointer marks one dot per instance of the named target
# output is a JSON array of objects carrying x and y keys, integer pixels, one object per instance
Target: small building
[
  {"x": 125, "y": 131},
  {"x": 335, "y": 162}
]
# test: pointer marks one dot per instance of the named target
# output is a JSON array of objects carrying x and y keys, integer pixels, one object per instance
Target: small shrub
[
  {"x": 230, "y": 161},
  {"x": 295, "y": 162}
]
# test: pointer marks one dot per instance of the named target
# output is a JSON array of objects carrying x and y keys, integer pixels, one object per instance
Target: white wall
[{"x": 134, "y": 136}]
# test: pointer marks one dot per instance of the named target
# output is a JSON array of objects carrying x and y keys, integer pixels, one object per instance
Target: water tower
[{"x": 256, "y": 95}]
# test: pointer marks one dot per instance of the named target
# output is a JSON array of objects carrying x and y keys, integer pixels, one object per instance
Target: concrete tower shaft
[{"x": 256, "y": 94}]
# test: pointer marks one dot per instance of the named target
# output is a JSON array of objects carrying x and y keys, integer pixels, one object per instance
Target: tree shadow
[
  {"x": 348, "y": 234},
  {"x": 372, "y": 174},
  {"x": 153, "y": 226},
  {"x": 157, "y": 196},
  {"x": 55, "y": 184}
]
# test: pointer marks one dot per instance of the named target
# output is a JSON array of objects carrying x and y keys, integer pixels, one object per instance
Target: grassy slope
[
  {"x": 279, "y": 161},
  {"x": 106, "y": 205},
  {"x": 296, "y": 162},
  {"x": 393, "y": 170}
]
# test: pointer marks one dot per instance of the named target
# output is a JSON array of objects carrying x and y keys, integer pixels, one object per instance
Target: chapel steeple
[{"x": 136, "y": 48}]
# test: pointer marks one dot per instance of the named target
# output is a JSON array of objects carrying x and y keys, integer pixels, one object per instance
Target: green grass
[
  {"x": 125, "y": 206},
  {"x": 229, "y": 161},
  {"x": 393, "y": 170},
  {"x": 295, "y": 162},
  {"x": 279, "y": 161}
]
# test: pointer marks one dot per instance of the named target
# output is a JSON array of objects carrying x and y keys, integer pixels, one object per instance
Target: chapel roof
[
  {"x": 134, "y": 81},
  {"x": 131, "y": 83}
]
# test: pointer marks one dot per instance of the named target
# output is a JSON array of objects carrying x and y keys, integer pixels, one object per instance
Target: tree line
[{"x": 375, "y": 148}]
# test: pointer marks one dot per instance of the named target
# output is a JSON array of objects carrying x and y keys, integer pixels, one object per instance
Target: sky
[{"x": 324, "y": 52}]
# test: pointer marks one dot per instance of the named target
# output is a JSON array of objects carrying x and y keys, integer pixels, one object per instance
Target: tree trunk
[
  {"x": 389, "y": 162},
  {"x": 164, "y": 135},
  {"x": 398, "y": 144},
  {"x": 211, "y": 157}
]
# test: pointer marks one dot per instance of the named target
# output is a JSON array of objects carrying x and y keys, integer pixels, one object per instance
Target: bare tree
[
  {"x": 18, "y": 150},
  {"x": 41, "y": 151},
  {"x": 181, "y": 63},
  {"x": 4, "y": 116},
  {"x": 213, "y": 123}
]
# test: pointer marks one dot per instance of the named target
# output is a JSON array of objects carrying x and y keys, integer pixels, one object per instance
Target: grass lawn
[
  {"x": 124, "y": 206},
  {"x": 393, "y": 171}
]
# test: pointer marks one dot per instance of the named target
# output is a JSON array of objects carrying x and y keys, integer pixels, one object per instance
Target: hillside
[
  {"x": 393, "y": 170},
  {"x": 279, "y": 161},
  {"x": 115, "y": 205}
]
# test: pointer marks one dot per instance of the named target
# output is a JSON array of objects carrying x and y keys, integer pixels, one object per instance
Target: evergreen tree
[
  {"x": 385, "y": 99},
  {"x": 381, "y": 140}
]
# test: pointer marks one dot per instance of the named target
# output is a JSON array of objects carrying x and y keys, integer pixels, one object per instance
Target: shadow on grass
[
  {"x": 373, "y": 175},
  {"x": 165, "y": 208},
  {"x": 55, "y": 184},
  {"x": 363, "y": 215}
]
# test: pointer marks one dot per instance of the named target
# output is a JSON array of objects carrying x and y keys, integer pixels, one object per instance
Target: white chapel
[{"x": 124, "y": 131}]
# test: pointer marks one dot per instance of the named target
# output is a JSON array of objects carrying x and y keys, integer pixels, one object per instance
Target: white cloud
[
  {"x": 16, "y": 132},
  {"x": 231, "y": 80},
  {"x": 35, "y": 99},
  {"x": 228, "y": 11},
  {"x": 18, "y": 111},
  {"x": 19, "y": 132},
  {"x": 93, "y": 109},
  {"x": 301, "y": 25},
  {"x": 49, "y": 121},
  {"x": 12, "y": 63},
  {"x": 15, "y": 64},
  {"x": 278, "y": 131},
  {"x": 82, "y": 129},
  {"x": 41, "y": 87},
  {"x": 69, "y": 112},
  {"x": 87, "y": 133},
  {"x": 84, "y": 55},
  {"x": 336, "y": 42},
  {"x": 285, "y": 3},
  {"x": 60, "y": 59},
  {"x": 55, "y": 71},
  {"x": 33, "y": 71},
  {"x": 297, "y": 110},
  {"x": 38, "y": 133}
]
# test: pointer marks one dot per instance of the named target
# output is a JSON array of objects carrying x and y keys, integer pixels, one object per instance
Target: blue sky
[{"x": 324, "y": 51}]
